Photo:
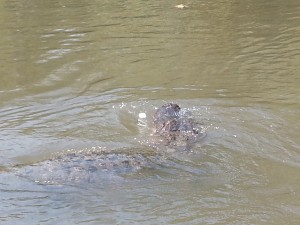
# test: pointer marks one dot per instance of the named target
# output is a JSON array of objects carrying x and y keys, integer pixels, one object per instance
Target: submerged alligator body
[
  {"x": 83, "y": 168},
  {"x": 173, "y": 128}
]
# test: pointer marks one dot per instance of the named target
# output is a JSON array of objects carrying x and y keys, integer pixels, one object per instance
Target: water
[{"x": 75, "y": 75}]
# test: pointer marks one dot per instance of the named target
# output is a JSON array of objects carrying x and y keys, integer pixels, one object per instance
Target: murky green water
[{"x": 74, "y": 76}]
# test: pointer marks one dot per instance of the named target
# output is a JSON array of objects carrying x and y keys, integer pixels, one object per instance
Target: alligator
[
  {"x": 173, "y": 128},
  {"x": 81, "y": 168}
]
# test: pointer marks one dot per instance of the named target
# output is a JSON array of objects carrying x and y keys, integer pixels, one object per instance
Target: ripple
[{"x": 76, "y": 75}]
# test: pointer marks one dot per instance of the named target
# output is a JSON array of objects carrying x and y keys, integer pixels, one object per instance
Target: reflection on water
[{"x": 75, "y": 76}]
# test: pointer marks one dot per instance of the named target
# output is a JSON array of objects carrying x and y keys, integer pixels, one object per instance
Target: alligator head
[{"x": 172, "y": 125}]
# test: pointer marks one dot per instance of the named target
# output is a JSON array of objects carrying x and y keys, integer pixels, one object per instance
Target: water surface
[{"x": 74, "y": 76}]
